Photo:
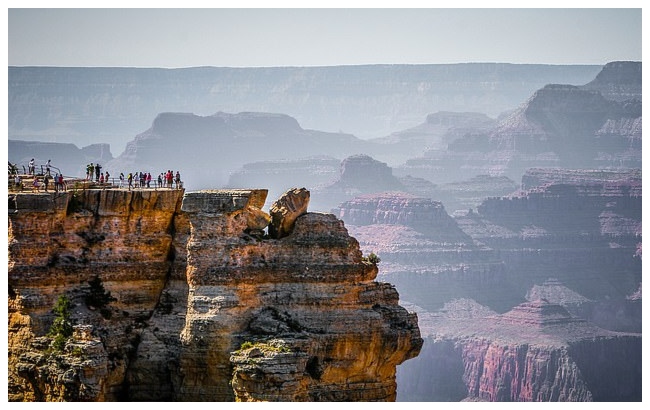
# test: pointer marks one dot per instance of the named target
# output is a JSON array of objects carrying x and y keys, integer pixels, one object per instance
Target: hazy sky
[{"x": 245, "y": 37}]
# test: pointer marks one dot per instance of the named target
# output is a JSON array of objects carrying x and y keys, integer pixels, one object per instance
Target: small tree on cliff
[
  {"x": 98, "y": 297},
  {"x": 372, "y": 258},
  {"x": 61, "y": 328}
]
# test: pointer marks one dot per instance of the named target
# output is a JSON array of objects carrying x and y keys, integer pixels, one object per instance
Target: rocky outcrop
[
  {"x": 363, "y": 172},
  {"x": 359, "y": 174},
  {"x": 397, "y": 208},
  {"x": 535, "y": 352},
  {"x": 193, "y": 288},
  {"x": 284, "y": 212}
]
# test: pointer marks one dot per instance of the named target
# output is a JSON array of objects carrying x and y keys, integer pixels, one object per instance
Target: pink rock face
[{"x": 537, "y": 352}]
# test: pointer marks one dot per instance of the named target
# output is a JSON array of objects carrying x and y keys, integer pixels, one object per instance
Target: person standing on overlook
[
  {"x": 170, "y": 179},
  {"x": 97, "y": 170},
  {"x": 30, "y": 167}
]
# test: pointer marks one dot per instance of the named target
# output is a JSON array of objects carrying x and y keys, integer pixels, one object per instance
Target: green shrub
[
  {"x": 61, "y": 328},
  {"x": 372, "y": 258}
]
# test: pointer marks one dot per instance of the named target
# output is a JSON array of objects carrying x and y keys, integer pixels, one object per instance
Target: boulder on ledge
[{"x": 286, "y": 210}]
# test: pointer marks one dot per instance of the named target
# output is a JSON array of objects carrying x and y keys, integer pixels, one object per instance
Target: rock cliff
[
  {"x": 205, "y": 307},
  {"x": 597, "y": 125},
  {"x": 535, "y": 352}
]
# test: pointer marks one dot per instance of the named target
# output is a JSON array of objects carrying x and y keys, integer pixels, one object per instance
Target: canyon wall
[
  {"x": 206, "y": 306},
  {"x": 537, "y": 352},
  {"x": 570, "y": 237}
]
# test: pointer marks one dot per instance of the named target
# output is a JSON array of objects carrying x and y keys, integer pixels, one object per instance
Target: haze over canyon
[{"x": 457, "y": 232}]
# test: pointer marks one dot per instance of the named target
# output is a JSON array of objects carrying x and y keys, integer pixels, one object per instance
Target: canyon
[
  {"x": 515, "y": 238},
  {"x": 559, "y": 259}
]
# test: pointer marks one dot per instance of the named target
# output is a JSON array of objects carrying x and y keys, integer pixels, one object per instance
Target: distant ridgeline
[
  {"x": 272, "y": 115},
  {"x": 87, "y": 105}
]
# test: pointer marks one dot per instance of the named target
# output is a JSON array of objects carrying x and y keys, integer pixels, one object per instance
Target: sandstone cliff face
[
  {"x": 57, "y": 244},
  {"x": 192, "y": 285}
]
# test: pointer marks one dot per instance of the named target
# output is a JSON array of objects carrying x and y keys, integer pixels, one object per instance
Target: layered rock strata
[
  {"x": 199, "y": 299},
  {"x": 57, "y": 244},
  {"x": 535, "y": 352},
  {"x": 572, "y": 237},
  {"x": 598, "y": 125}
]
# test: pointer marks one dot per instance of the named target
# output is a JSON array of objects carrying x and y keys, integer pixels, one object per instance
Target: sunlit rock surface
[{"x": 194, "y": 280}]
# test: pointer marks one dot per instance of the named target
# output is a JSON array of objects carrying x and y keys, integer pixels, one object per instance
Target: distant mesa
[
  {"x": 540, "y": 313},
  {"x": 209, "y": 147},
  {"x": 554, "y": 291}
]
